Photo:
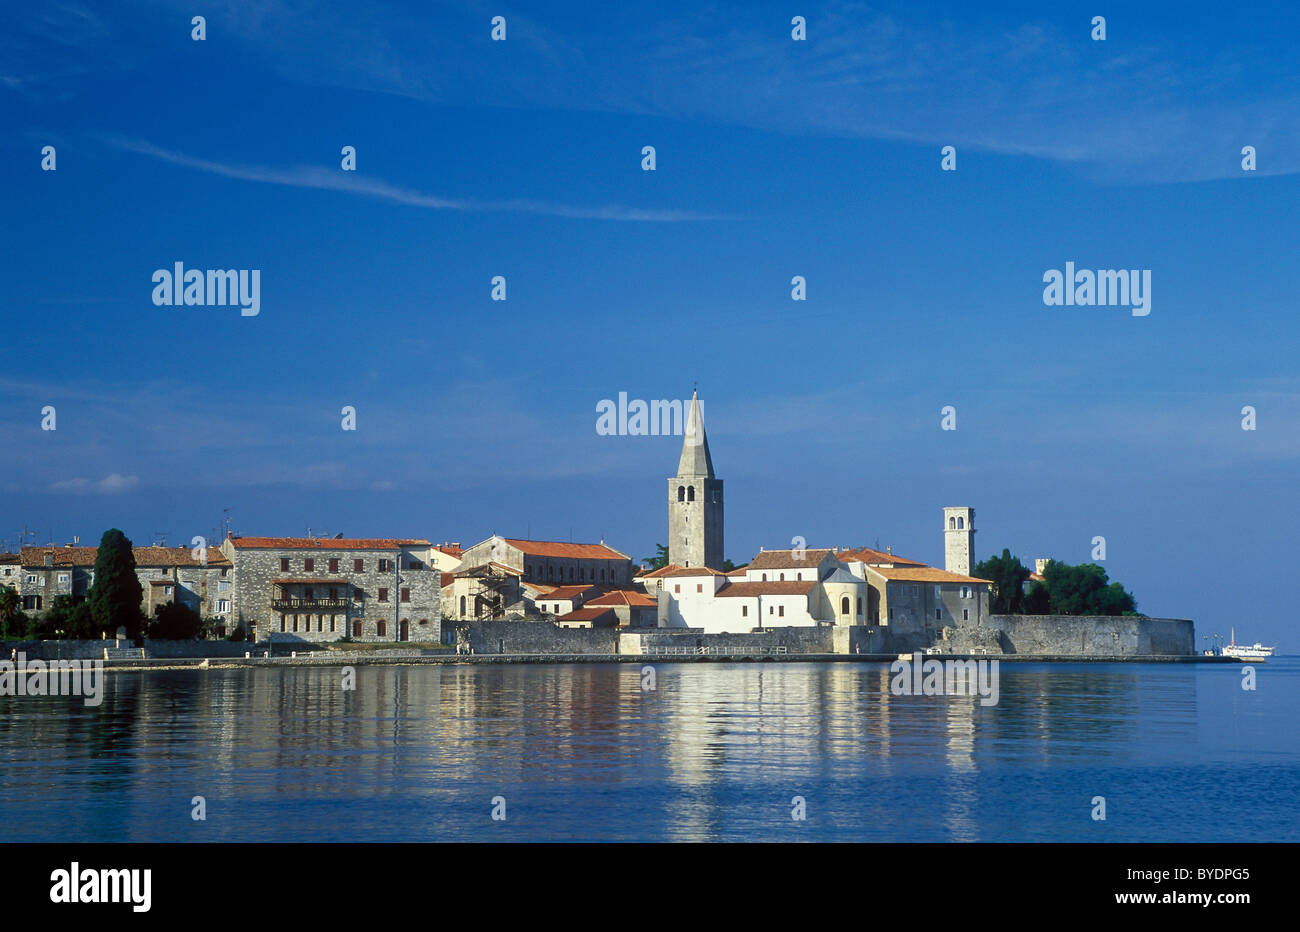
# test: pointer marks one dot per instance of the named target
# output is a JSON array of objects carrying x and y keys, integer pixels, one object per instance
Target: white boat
[{"x": 1256, "y": 651}]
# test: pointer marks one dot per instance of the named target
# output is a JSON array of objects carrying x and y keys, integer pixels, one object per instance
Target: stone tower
[
  {"x": 695, "y": 500},
  {"x": 958, "y": 539}
]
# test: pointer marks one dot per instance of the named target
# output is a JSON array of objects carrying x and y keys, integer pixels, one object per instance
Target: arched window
[
  {"x": 550, "y": 571},
  {"x": 844, "y": 605},
  {"x": 764, "y": 577},
  {"x": 783, "y": 577},
  {"x": 570, "y": 574},
  {"x": 952, "y": 524},
  {"x": 681, "y": 493},
  {"x": 961, "y": 524},
  {"x": 462, "y": 606},
  {"x": 690, "y": 493},
  {"x": 602, "y": 575}
]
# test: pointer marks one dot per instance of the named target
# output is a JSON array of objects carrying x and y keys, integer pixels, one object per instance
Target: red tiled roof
[
  {"x": 587, "y": 614},
  {"x": 624, "y": 597},
  {"x": 662, "y": 571},
  {"x": 869, "y": 556},
  {"x": 451, "y": 550},
  {"x": 693, "y": 571},
  {"x": 144, "y": 556},
  {"x": 568, "y": 593},
  {"x": 753, "y": 589},
  {"x": 323, "y": 543},
  {"x": 924, "y": 574},
  {"x": 552, "y": 548},
  {"x": 786, "y": 559}
]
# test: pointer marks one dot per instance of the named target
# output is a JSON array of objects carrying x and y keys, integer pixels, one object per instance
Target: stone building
[
  {"x": 324, "y": 589},
  {"x": 167, "y": 574},
  {"x": 695, "y": 503}
]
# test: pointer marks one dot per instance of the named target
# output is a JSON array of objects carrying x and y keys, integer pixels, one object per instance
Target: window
[
  {"x": 764, "y": 577},
  {"x": 681, "y": 493},
  {"x": 406, "y": 595},
  {"x": 415, "y": 565},
  {"x": 358, "y": 566},
  {"x": 602, "y": 576},
  {"x": 952, "y": 524},
  {"x": 780, "y": 610},
  {"x": 677, "y": 587},
  {"x": 859, "y": 605},
  {"x": 844, "y": 605},
  {"x": 31, "y": 578},
  {"x": 699, "y": 587},
  {"x": 783, "y": 577},
  {"x": 282, "y": 628},
  {"x": 462, "y": 606},
  {"x": 385, "y": 566},
  {"x": 690, "y": 493},
  {"x": 570, "y": 574},
  {"x": 961, "y": 523},
  {"x": 309, "y": 564},
  {"x": 223, "y": 606},
  {"x": 284, "y": 564},
  {"x": 965, "y": 614},
  {"x": 63, "y": 578},
  {"x": 333, "y": 621},
  {"x": 891, "y": 614},
  {"x": 938, "y": 614},
  {"x": 223, "y": 585},
  {"x": 383, "y": 595},
  {"x": 356, "y": 625},
  {"x": 320, "y": 623},
  {"x": 769, "y": 610},
  {"x": 167, "y": 590},
  {"x": 381, "y": 627},
  {"x": 744, "y": 611},
  {"x": 334, "y": 564},
  {"x": 356, "y": 595},
  {"x": 295, "y": 622}
]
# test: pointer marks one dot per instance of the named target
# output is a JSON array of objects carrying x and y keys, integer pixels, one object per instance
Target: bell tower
[
  {"x": 958, "y": 539},
  {"x": 695, "y": 500}
]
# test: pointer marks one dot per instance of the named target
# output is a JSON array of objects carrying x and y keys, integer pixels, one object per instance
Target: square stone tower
[
  {"x": 958, "y": 539},
  {"x": 695, "y": 501}
]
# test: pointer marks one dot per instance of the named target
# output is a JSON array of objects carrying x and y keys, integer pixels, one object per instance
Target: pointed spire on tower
[{"x": 695, "y": 461}]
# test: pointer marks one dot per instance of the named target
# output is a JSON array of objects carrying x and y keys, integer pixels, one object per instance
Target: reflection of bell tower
[
  {"x": 958, "y": 539},
  {"x": 695, "y": 501}
]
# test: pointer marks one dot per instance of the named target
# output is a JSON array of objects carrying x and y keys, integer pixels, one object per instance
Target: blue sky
[{"x": 775, "y": 158}]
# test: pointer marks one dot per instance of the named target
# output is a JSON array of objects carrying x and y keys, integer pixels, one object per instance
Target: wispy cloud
[
  {"x": 319, "y": 177},
  {"x": 109, "y": 485}
]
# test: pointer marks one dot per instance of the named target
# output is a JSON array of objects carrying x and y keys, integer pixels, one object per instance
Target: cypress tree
[{"x": 116, "y": 593}]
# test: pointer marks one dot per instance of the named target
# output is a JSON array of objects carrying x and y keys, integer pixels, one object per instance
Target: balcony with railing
[{"x": 302, "y": 604}]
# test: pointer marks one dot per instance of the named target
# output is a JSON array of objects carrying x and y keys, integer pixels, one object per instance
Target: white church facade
[{"x": 802, "y": 587}]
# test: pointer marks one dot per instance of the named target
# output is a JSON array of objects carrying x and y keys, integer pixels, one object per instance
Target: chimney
[{"x": 1039, "y": 565}]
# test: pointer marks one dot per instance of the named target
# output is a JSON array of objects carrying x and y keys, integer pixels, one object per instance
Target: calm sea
[{"x": 713, "y": 752}]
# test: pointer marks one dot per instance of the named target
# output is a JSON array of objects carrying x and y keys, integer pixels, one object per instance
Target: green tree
[
  {"x": 1008, "y": 576},
  {"x": 116, "y": 593},
  {"x": 72, "y": 617},
  {"x": 10, "y": 605},
  {"x": 1082, "y": 590},
  {"x": 176, "y": 622},
  {"x": 660, "y": 559}
]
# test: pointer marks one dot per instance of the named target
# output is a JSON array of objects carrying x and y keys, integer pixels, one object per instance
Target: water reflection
[{"x": 582, "y": 751}]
